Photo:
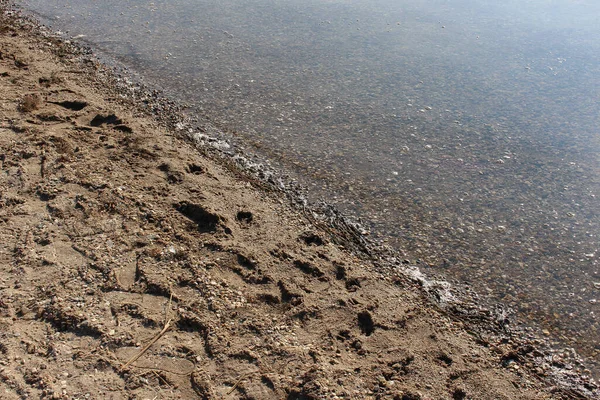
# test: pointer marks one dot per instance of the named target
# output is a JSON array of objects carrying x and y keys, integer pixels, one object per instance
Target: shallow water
[{"x": 466, "y": 134}]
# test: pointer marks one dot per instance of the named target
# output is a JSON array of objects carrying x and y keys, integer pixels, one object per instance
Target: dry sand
[{"x": 134, "y": 265}]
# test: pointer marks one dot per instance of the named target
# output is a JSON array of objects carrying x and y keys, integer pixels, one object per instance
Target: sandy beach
[{"x": 138, "y": 263}]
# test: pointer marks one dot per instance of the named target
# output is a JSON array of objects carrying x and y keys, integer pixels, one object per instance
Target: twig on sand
[
  {"x": 235, "y": 385},
  {"x": 168, "y": 306},
  {"x": 147, "y": 347},
  {"x": 160, "y": 378},
  {"x": 155, "y": 338},
  {"x": 156, "y": 369}
]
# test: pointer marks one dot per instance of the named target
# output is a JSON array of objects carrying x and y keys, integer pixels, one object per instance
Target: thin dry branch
[
  {"x": 147, "y": 347},
  {"x": 241, "y": 378},
  {"x": 168, "y": 306}
]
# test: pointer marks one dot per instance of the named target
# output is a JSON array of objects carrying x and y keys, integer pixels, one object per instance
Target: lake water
[{"x": 465, "y": 133}]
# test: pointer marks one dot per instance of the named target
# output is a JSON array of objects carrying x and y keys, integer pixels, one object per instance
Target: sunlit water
[{"x": 465, "y": 133}]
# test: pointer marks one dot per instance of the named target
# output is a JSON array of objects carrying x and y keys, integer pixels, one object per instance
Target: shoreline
[{"x": 312, "y": 263}]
